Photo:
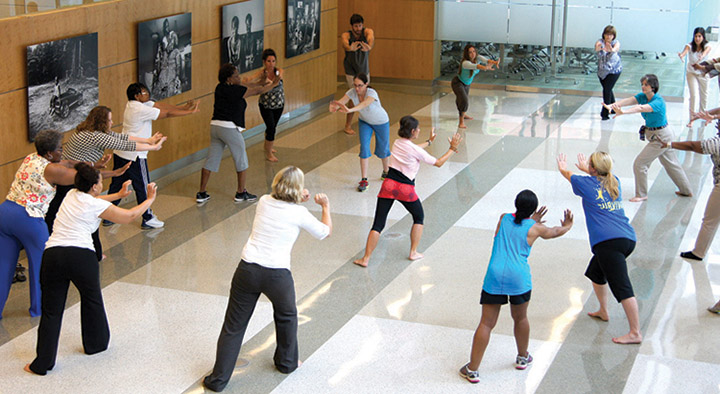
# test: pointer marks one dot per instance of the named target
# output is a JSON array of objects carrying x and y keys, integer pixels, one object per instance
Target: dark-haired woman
[
  {"x": 470, "y": 65},
  {"x": 508, "y": 277},
  {"x": 265, "y": 269},
  {"x": 88, "y": 143},
  {"x": 70, "y": 257},
  {"x": 607, "y": 49},
  {"x": 612, "y": 238},
  {"x": 22, "y": 214},
  {"x": 652, "y": 108},
  {"x": 696, "y": 51},
  {"x": 226, "y": 127},
  {"x": 373, "y": 120},
  {"x": 400, "y": 184},
  {"x": 271, "y": 103}
]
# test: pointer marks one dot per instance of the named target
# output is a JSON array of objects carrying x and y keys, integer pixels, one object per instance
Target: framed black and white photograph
[
  {"x": 62, "y": 83},
  {"x": 164, "y": 55},
  {"x": 303, "y": 27},
  {"x": 243, "y": 29}
]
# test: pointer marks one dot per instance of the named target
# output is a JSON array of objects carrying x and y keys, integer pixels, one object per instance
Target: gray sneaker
[
  {"x": 523, "y": 362},
  {"x": 471, "y": 376}
]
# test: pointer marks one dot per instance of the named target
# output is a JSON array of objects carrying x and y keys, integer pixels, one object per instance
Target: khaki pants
[
  {"x": 697, "y": 84},
  {"x": 710, "y": 222},
  {"x": 654, "y": 150}
]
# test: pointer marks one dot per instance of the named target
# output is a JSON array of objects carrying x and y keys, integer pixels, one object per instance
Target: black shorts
[
  {"x": 608, "y": 265},
  {"x": 502, "y": 299}
]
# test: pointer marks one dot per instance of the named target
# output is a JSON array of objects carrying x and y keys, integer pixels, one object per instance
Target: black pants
[
  {"x": 251, "y": 280},
  {"x": 60, "y": 192},
  {"x": 271, "y": 118},
  {"x": 60, "y": 266},
  {"x": 139, "y": 175},
  {"x": 609, "y": 265},
  {"x": 383, "y": 208},
  {"x": 608, "y": 97},
  {"x": 462, "y": 94}
]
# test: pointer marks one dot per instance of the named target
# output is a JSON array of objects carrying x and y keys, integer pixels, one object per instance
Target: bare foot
[
  {"x": 274, "y": 150},
  {"x": 299, "y": 363},
  {"x": 599, "y": 315},
  {"x": 690, "y": 124},
  {"x": 27, "y": 369},
  {"x": 103, "y": 257},
  {"x": 638, "y": 199},
  {"x": 462, "y": 126},
  {"x": 415, "y": 256},
  {"x": 469, "y": 117},
  {"x": 361, "y": 262},
  {"x": 628, "y": 339},
  {"x": 271, "y": 158},
  {"x": 683, "y": 194},
  {"x": 349, "y": 131}
]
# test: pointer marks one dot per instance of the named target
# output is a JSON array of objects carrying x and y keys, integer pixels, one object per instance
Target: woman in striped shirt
[{"x": 88, "y": 143}]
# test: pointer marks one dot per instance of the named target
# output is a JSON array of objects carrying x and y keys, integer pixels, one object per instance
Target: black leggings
[
  {"x": 608, "y": 265},
  {"x": 271, "y": 117},
  {"x": 383, "y": 208},
  {"x": 608, "y": 83}
]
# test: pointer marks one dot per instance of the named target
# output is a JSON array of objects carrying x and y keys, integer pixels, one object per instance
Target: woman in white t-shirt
[
  {"x": 373, "y": 119},
  {"x": 697, "y": 81},
  {"x": 400, "y": 184},
  {"x": 265, "y": 269},
  {"x": 70, "y": 257}
]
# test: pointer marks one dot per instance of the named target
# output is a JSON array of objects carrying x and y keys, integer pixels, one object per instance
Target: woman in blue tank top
[{"x": 508, "y": 277}]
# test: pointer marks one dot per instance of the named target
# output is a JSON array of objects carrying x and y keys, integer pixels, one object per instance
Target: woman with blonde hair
[
  {"x": 265, "y": 269},
  {"x": 612, "y": 238}
]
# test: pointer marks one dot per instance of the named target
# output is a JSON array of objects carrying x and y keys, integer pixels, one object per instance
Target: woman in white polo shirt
[
  {"x": 265, "y": 269},
  {"x": 373, "y": 119},
  {"x": 70, "y": 257}
]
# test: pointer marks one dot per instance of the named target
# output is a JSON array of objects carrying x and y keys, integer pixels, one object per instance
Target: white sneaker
[{"x": 152, "y": 223}]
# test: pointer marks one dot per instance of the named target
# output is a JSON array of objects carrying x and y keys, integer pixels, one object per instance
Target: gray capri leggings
[
  {"x": 219, "y": 138},
  {"x": 462, "y": 92}
]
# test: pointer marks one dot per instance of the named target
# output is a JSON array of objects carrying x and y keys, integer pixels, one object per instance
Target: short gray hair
[{"x": 47, "y": 141}]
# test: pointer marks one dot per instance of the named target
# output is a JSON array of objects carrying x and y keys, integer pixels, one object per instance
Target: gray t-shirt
[{"x": 374, "y": 113}]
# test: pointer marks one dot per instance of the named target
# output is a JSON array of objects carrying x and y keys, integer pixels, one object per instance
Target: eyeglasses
[{"x": 359, "y": 85}]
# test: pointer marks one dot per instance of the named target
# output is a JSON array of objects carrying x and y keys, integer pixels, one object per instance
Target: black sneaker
[
  {"x": 19, "y": 274},
  {"x": 245, "y": 196},
  {"x": 201, "y": 197},
  {"x": 384, "y": 175}
]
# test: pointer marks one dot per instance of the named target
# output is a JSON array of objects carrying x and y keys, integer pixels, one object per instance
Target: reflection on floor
[{"x": 401, "y": 326}]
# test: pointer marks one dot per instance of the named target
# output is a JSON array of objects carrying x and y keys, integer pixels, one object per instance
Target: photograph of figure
[
  {"x": 62, "y": 83},
  {"x": 164, "y": 55},
  {"x": 243, "y": 29},
  {"x": 303, "y": 27}
]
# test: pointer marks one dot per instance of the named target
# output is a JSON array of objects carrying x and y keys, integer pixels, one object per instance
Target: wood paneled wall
[
  {"x": 308, "y": 77},
  {"x": 405, "y": 39}
]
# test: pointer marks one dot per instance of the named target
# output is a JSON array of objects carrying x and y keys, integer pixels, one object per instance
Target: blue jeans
[{"x": 382, "y": 139}]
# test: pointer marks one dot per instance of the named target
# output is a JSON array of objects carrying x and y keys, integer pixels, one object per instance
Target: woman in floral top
[{"x": 22, "y": 214}]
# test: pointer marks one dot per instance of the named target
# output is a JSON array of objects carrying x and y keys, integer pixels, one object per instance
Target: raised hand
[
  {"x": 562, "y": 162},
  {"x": 567, "y": 220},
  {"x": 125, "y": 189},
  {"x": 538, "y": 215},
  {"x": 321, "y": 199},
  {"x": 582, "y": 163},
  {"x": 455, "y": 141},
  {"x": 121, "y": 170},
  {"x": 305, "y": 195},
  {"x": 151, "y": 191},
  {"x": 102, "y": 162}
]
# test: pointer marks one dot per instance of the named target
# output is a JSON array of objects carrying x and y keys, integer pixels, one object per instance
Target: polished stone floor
[{"x": 402, "y": 326}]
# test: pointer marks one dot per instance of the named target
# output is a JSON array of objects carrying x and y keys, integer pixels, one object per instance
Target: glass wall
[
  {"x": 549, "y": 44},
  {"x": 9, "y": 8}
]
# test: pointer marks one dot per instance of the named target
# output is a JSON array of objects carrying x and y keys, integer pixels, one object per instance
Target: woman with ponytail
[
  {"x": 70, "y": 257},
  {"x": 508, "y": 277},
  {"x": 612, "y": 238},
  {"x": 400, "y": 184}
]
